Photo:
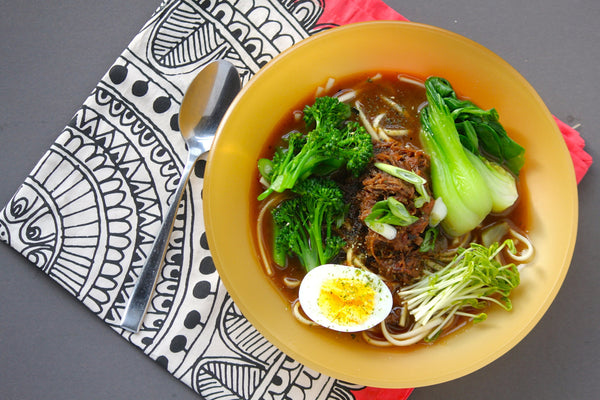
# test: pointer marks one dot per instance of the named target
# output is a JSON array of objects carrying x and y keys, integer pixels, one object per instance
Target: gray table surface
[{"x": 53, "y": 52}]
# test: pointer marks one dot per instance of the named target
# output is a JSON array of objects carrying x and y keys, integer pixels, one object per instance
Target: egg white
[{"x": 313, "y": 281}]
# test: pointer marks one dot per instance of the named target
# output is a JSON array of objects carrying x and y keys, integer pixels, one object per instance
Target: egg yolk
[{"x": 346, "y": 301}]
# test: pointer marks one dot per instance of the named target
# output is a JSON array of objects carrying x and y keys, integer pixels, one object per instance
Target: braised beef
[{"x": 398, "y": 259}]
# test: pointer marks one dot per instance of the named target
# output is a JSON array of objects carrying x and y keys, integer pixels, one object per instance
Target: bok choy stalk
[
  {"x": 502, "y": 185},
  {"x": 471, "y": 280},
  {"x": 453, "y": 177}
]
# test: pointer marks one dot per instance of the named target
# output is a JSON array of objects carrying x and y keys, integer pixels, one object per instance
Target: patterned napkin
[{"x": 88, "y": 212}]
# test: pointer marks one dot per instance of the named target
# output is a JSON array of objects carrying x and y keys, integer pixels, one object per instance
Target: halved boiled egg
[{"x": 344, "y": 298}]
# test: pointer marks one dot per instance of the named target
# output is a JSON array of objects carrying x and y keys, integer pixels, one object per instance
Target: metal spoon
[{"x": 204, "y": 104}]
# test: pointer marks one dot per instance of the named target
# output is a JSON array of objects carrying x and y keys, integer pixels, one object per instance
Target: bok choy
[
  {"x": 453, "y": 176},
  {"x": 468, "y": 148}
]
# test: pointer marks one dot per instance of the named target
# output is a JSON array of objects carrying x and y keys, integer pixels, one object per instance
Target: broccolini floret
[
  {"x": 332, "y": 142},
  {"x": 304, "y": 224}
]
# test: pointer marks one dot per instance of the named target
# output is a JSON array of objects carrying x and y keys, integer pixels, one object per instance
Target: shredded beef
[{"x": 398, "y": 259}]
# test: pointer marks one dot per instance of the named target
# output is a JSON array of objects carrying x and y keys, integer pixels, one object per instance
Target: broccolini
[
  {"x": 332, "y": 142},
  {"x": 304, "y": 224}
]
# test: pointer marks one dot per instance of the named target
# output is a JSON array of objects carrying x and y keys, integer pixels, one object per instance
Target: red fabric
[
  {"x": 581, "y": 159},
  {"x": 371, "y": 393},
  {"x": 341, "y": 12}
]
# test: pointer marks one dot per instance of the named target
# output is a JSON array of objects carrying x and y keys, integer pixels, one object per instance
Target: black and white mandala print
[{"x": 88, "y": 212}]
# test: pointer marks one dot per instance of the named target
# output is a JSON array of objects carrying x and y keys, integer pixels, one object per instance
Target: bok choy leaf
[{"x": 480, "y": 129}]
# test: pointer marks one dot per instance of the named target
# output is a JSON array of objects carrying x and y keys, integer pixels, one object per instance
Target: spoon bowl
[{"x": 205, "y": 102}]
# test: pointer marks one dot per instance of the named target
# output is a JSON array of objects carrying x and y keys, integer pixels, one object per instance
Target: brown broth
[{"x": 412, "y": 98}]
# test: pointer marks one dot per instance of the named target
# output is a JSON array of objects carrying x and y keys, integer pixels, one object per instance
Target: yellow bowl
[{"x": 421, "y": 51}]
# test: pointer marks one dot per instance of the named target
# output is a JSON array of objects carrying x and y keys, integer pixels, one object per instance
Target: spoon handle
[{"x": 142, "y": 292}]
